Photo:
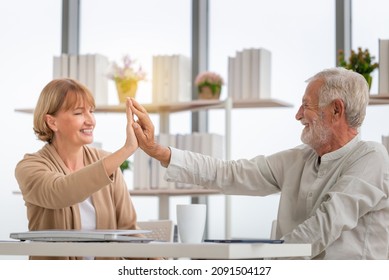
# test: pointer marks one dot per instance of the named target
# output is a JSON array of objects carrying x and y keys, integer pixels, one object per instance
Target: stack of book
[
  {"x": 383, "y": 70},
  {"x": 148, "y": 172},
  {"x": 171, "y": 79},
  {"x": 89, "y": 69},
  {"x": 249, "y": 74}
]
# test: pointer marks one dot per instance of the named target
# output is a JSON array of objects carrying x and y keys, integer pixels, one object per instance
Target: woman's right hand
[
  {"x": 131, "y": 140},
  {"x": 114, "y": 160}
]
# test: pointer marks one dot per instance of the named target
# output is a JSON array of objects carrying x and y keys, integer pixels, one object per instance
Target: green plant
[
  {"x": 360, "y": 62},
  {"x": 209, "y": 79},
  {"x": 127, "y": 164}
]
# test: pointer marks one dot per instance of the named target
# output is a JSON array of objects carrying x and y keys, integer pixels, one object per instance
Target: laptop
[
  {"x": 246, "y": 240},
  {"x": 82, "y": 236}
]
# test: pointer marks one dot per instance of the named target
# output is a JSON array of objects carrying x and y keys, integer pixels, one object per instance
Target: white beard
[{"x": 316, "y": 135}]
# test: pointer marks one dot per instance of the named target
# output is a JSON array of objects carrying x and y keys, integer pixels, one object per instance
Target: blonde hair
[{"x": 59, "y": 94}]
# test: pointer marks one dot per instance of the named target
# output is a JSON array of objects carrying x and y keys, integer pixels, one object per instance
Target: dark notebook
[{"x": 245, "y": 240}]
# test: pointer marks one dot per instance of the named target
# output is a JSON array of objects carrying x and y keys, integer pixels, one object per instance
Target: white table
[{"x": 155, "y": 249}]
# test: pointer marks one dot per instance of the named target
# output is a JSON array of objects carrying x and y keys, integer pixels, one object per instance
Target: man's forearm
[{"x": 162, "y": 154}]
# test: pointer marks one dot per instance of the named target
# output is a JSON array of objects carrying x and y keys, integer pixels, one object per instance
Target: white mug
[{"x": 191, "y": 222}]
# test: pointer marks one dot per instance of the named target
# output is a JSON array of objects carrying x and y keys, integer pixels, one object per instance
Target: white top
[
  {"x": 88, "y": 217},
  {"x": 88, "y": 214},
  {"x": 339, "y": 205}
]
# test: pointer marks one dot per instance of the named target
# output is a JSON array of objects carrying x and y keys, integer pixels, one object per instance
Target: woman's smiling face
[{"x": 74, "y": 126}]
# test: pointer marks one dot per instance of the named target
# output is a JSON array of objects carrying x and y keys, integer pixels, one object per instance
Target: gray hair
[{"x": 347, "y": 85}]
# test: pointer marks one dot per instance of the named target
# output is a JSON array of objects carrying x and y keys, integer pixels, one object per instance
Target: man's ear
[
  {"x": 338, "y": 108},
  {"x": 51, "y": 122}
]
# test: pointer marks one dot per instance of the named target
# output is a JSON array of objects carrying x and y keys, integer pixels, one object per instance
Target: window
[
  {"x": 369, "y": 24},
  {"x": 301, "y": 37},
  {"x": 30, "y": 37},
  {"x": 139, "y": 28}
]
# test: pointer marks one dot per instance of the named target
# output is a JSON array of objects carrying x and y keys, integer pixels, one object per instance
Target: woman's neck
[{"x": 72, "y": 157}]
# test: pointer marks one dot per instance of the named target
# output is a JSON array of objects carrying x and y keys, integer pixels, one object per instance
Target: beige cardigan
[{"x": 52, "y": 193}]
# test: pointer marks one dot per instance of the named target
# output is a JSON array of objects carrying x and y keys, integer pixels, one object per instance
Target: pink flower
[
  {"x": 129, "y": 70},
  {"x": 207, "y": 77}
]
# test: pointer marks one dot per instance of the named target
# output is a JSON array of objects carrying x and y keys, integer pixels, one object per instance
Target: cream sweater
[{"x": 52, "y": 193}]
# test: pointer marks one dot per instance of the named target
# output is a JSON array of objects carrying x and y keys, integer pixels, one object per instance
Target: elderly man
[{"x": 334, "y": 188}]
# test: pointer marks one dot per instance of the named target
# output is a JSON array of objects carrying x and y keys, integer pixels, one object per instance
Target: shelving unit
[
  {"x": 186, "y": 106},
  {"x": 164, "y": 110},
  {"x": 163, "y": 197},
  {"x": 379, "y": 99},
  {"x": 165, "y": 194}
]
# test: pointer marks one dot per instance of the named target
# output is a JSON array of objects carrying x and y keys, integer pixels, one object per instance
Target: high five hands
[{"x": 144, "y": 131}]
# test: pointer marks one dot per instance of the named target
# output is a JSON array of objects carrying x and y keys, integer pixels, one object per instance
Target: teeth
[{"x": 87, "y": 130}]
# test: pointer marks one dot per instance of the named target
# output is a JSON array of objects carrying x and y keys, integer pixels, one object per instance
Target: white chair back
[{"x": 161, "y": 230}]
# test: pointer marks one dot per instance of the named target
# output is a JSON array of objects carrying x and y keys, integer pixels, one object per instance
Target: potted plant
[
  {"x": 127, "y": 164},
  {"x": 126, "y": 77},
  {"x": 360, "y": 62},
  {"x": 209, "y": 85}
]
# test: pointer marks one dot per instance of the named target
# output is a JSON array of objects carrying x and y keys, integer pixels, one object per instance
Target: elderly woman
[{"x": 68, "y": 184}]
